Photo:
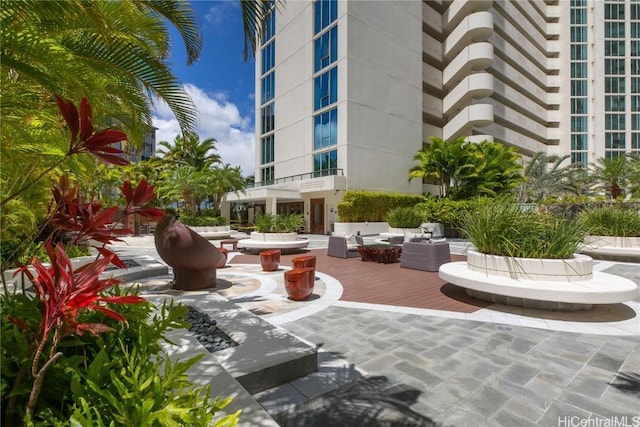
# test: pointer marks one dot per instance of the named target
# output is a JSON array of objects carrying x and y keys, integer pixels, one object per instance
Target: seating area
[{"x": 342, "y": 247}]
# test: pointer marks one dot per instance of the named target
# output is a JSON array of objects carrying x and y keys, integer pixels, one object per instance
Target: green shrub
[
  {"x": 361, "y": 206},
  {"x": 115, "y": 378},
  {"x": 446, "y": 211},
  {"x": 285, "y": 223},
  {"x": 505, "y": 228},
  {"x": 403, "y": 218},
  {"x": 611, "y": 221},
  {"x": 203, "y": 221}
]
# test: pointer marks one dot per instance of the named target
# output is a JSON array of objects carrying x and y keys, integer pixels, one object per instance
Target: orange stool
[
  {"x": 223, "y": 262},
  {"x": 297, "y": 283},
  {"x": 270, "y": 260},
  {"x": 306, "y": 261}
]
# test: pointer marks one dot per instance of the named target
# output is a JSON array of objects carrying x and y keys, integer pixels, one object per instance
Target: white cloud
[{"x": 219, "y": 119}]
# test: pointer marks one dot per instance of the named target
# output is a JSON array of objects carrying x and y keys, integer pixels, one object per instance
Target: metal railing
[{"x": 299, "y": 177}]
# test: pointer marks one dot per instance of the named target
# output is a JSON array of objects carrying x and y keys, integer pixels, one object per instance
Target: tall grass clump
[
  {"x": 506, "y": 229},
  {"x": 611, "y": 221},
  {"x": 403, "y": 218}
]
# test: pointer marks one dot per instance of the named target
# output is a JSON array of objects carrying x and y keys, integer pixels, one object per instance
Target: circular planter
[
  {"x": 576, "y": 269},
  {"x": 273, "y": 237},
  {"x": 612, "y": 247}
]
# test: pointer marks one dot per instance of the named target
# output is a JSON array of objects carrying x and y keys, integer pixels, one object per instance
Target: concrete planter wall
[
  {"x": 365, "y": 228},
  {"x": 615, "y": 241},
  {"x": 579, "y": 268},
  {"x": 17, "y": 281},
  {"x": 402, "y": 231},
  {"x": 273, "y": 237}
]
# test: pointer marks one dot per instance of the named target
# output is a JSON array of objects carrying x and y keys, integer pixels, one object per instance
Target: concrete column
[
  {"x": 225, "y": 209},
  {"x": 271, "y": 205}
]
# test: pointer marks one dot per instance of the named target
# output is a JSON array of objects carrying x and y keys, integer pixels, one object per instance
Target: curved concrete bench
[
  {"x": 251, "y": 244},
  {"x": 603, "y": 288},
  {"x": 214, "y": 232}
]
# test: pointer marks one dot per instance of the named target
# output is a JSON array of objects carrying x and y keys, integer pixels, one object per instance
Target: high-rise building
[{"x": 348, "y": 91}]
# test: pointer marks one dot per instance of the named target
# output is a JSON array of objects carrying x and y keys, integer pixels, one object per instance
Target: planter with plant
[
  {"x": 403, "y": 220},
  {"x": 283, "y": 227},
  {"x": 525, "y": 243},
  {"x": 611, "y": 231}
]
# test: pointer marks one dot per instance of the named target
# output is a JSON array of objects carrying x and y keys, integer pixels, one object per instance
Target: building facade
[{"x": 348, "y": 91}]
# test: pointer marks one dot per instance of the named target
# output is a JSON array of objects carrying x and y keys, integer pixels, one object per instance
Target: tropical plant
[
  {"x": 545, "y": 176},
  {"x": 203, "y": 220},
  {"x": 611, "y": 221},
  {"x": 507, "y": 229},
  {"x": 403, "y": 218},
  {"x": 225, "y": 179},
  {"x": 611, "y": 175},
  {"x": 360, "y": 206},
  {"x": 285, "y": 223},
  {"x": 184, "y": 183},
  {"x": 189, "y": 150}
]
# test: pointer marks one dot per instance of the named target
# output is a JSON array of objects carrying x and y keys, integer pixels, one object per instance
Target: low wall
[{"x": 365, "y": 228}]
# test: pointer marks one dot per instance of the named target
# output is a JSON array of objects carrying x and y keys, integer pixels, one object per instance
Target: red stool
[
  {"x": 297, "y": 283},
  {"x": 306, "y": 261},
  {"x": 225, "y": 254},
  {"x": 270, "y": 260}
]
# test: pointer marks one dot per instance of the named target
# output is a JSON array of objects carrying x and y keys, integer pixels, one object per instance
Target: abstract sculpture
[{"x": 191, "y": 256}]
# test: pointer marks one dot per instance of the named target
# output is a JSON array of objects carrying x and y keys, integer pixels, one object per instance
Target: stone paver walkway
[{"x": 428, "y": 370}]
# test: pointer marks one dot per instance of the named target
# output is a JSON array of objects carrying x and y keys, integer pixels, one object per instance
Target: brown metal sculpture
[{"x": 191, "y": 256}]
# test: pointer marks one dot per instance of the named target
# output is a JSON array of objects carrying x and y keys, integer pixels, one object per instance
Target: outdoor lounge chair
[
  {"x": 340, "y": 248},
  {"x": 425, "y": 256}
]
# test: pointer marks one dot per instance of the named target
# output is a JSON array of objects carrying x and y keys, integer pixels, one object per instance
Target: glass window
[
  {"x": 635, "y": 103},
  {"x": 580, "y": 158},
  {"x": 267, "y": 115},
  {"x": 325, "y": 129},
  {"x": 614, "y": 66},
  {"x": 614, "y": 103},
  {"x": 268, "y": 56},
  {"x": 578, "y": 70},
  {"x": 635, "y": 30},
  {"x": 267, "y": 149},
  {"x": 578, "y": 105},
  {"x": 614, "y": 47},
  {"x": 578, "y": 88},
  {"x": 635, "y": 48},
  {"x": 578, "y": 51},
  {"x": 613, "y": 154},
  {"x": 267, "y": 174},
  {"x": 325, "y": 12},
  {"x": 578, "y": 142},
  {"x": 579, "y": 124},
  {"x": 614, "y": 122},
  {"x": 326, "y": 163},
  {"x": 635, "y": 66},
  {"x": 269, "y": 26},
  {"x": 325, "y": 89},
  {"x": 614, "y": 30},
  {"x": 614, "y": 11},
  {"x": 614, "y": 85},
  {"x": 268, "y": 88},
  {"x": 635, "y": 10},
  {"x": 635, "y": 141},
  {"x": 575, "y": 3},
  {"x": 635, "y": 84},
  {"x": 614, "y": 140},
  {"x": 578, "y": 16},
  {"x": 578, "y": 34},
  {"x": 326, "y": 49},
  {"x": 635, "y": 122}
]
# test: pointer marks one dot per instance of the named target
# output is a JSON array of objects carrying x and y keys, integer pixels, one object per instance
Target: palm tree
[
  {"x": 610, "y": 174},
  {"x": 186, "y": 184},
  {"x": 545, "y": 176},
  {"x": 188, "y": 150},
  {"x": 223, "y": 180},
  {"x": 446, "y": 162},
  {"x": 497, "y": 171}
]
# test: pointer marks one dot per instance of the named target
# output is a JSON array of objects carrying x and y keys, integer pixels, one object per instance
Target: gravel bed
[{"x": 207, "y": 333}]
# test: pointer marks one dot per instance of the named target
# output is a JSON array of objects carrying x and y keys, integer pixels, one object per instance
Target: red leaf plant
[{"x": 64, "y": 294}]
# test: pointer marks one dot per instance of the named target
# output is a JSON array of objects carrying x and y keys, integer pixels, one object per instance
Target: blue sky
[{"x": 221, "y": 85}]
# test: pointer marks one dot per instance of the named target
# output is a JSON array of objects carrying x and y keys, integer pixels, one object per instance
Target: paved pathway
[{"x": 427, "y": 370}]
